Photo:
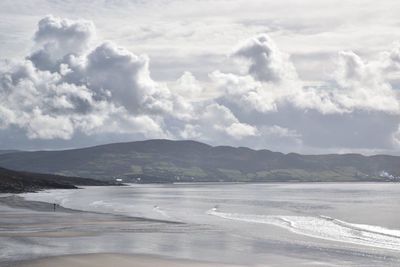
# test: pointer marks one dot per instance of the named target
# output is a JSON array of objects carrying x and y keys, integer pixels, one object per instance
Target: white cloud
[
  {"x": 188, "y": 86},
  {"x": 363, "y": 86},
  {"x": 40, "y": 103},
  {"x": 265, "y": 61},
  {"x": 351, "y": 69},
  {"x": 68, "y": 36},
  {"x": 58, "y": 37},
  {"x": 107, "y": 89},
  {"x": 216, "y": 122},
  {"x": 48, "y": 127},
  {"x": 247, "y": 92},
  {"x": 74, "y": 84},
  {"x": 113, "y": 70},
  {"x": 271, "y": 82}
]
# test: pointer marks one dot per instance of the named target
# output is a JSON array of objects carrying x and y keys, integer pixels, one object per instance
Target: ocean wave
[
  {"x": 324, "y": 227},
  {"x": 161, "y": 211}
]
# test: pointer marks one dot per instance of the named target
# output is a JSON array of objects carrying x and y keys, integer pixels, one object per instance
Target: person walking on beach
[{"x": 54, "y": 207}]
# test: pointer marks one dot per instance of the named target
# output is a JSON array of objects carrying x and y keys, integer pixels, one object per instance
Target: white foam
[
  {"x": 324, "y": 227},
  {"x": 161, "y": 211},
  {"x": 101, "y": 203},
  {"x": 59, "y": 196}
]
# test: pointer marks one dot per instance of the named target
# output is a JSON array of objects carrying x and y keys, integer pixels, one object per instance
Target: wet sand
[
  {"x": 32, "y": 234},
  {"x": 32, "y": 219},
  {"x": 21, "y": 218},
  {"x": 120, "y": 260}
]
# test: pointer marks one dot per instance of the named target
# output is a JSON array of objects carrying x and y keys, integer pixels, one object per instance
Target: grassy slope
[{"x": 168, "y": 161}]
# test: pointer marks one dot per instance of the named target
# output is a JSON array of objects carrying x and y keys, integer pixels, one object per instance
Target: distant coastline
[
  {"x": 21, "y": 182},
  {"x": 168, "y": 161}
]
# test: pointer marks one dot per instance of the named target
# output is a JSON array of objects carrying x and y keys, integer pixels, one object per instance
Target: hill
[
  {"x": 18, "y": 182},
  {"x": 187, "y": 161}
]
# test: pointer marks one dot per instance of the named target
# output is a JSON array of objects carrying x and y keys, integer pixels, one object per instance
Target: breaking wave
[{"x": 324, "y": 227}]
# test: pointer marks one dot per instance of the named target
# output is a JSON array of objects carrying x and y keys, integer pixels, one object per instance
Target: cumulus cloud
[
  {"x": 392, "y": 58},
  {"x": 47, "y": 107},
  {"x": 217, "y": 122},
  {"x": 106, "y": 89},
  {"x": 73, "y": 84},
  {"x": 270, "y": 81},
  {"x": 33, "y": 100},
  {"x": 58, "y": 37},
  {"x": 350, "y": 69},
  {"x": 124, "y": 77},
  {"x": 88, "y": 88},
  {"x": 188, "y": 86},
  {"x": 363, "y": 85},
  {"x": 247, "y": 92},
  {"x": 265, "y": 61},
  {"x": 262, "y": 95}
]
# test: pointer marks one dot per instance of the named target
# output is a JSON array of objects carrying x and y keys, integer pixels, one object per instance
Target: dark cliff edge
[{"x": 19, "y": 182}]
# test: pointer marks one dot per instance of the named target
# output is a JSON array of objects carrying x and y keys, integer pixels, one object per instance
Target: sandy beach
[
  {"x": 21, "y": 218},
  {"x": 65, "y": 223},
  {"x": 176, "y": 225},
  {"x": 105, "y": 260},
  {"x": 34, "y": 220}
]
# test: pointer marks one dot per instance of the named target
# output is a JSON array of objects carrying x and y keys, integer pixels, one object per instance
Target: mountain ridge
[{"x": 161, "y": 160}]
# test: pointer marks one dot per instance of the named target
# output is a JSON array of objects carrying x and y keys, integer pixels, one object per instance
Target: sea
[{"x": 295, "y": 224}]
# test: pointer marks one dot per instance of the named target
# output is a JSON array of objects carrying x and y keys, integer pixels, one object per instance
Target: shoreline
[
  {"x": 18, "y": 208},
  {"x": 33, "y": 235},
  {"x": 28, "y": 219},
  {"x": 272, "y": 182},
  {"x": 113, "y": 259},
  {"x": 18, "y": 202}
]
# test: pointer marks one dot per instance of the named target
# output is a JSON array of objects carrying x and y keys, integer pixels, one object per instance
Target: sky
[{"x": 312, "y": 76}]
